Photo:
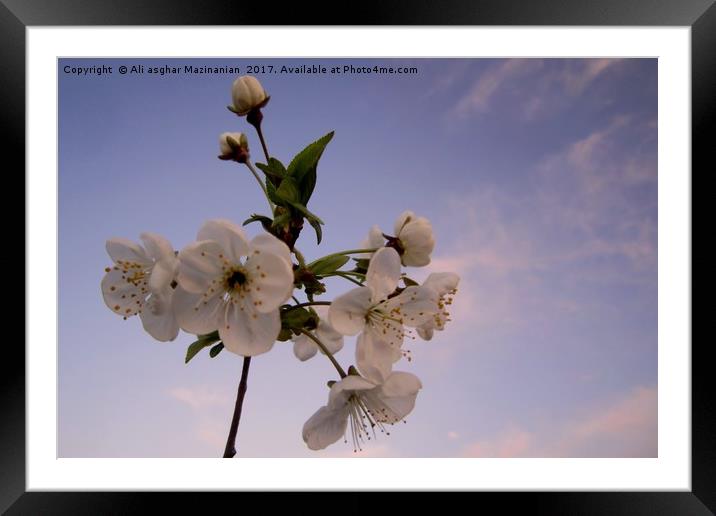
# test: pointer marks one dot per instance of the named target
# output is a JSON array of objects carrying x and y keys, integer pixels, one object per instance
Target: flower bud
[
  {"x": 247, "y": 94},
  {"x": 234, "y": 146}
]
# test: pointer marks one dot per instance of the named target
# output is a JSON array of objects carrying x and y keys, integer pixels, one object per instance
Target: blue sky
[{"x": 540, "y": 179}]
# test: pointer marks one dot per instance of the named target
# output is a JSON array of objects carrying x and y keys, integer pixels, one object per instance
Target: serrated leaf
[
  {"x": 216, "y": 349},
  {"x": 308, "y": 157},
  {"x": 203, "y": 342},
  {"x": 329, "y": 264}
]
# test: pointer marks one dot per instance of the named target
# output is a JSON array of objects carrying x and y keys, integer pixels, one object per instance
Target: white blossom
[
  {"x": 378, "y": 317},
  {"x": 235, "y": 286},
  {"x": 141, "y": 281},
  {"x": 365, "y": 404},
  {"x": 445, "y": 286}
]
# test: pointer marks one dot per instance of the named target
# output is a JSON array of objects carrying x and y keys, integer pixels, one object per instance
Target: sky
[{"x": 539, "y": 177}]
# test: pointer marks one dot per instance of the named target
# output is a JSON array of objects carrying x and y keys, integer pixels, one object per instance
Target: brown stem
[{"x": 230, "y": 449}]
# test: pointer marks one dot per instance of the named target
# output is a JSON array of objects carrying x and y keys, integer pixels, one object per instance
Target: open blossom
[
  {"x": 366, "y": 404},
  {"x": 304, "y": 348},
  {"x": 235, "y": 286},
  {"x": 140, "y": 282},
  {"x": 445, "y": 286},
  {"x": 247, "y": 94},
  {"x": 380, "y": 318}
]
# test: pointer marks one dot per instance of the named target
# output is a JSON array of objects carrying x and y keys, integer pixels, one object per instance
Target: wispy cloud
[
  {"x": 626, "y": 427},
  {"x": 197, "y": 397},
  {"x": 534, "y": 87},
  {"x": 477, "y": 100}
]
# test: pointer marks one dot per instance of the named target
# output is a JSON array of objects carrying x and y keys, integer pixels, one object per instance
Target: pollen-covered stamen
[
  {"x": 365, "y": 414},
  {"x": 442, "y": 316},
  {"x": 387, "y": 325}
]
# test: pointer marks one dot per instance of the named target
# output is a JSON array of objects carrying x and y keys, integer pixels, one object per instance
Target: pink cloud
[
  {"x": 515, "y": 443},
  {"x": 626, "y": 427},
  {"x": 197, "y": 397}
]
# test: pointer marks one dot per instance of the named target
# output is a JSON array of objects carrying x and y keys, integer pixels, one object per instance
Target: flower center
[{"x": 236, "y": 279}]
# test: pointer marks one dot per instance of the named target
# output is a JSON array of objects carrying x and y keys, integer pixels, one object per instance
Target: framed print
[{"x": 437, "y": 250}]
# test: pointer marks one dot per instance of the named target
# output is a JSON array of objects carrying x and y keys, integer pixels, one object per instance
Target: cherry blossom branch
[
  {"x": 325, "y": 352},
  {"x": 230, "y": 449},
  {"x": 310, "y": 303}
]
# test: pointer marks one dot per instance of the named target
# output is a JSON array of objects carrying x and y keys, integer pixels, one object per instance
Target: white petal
[
  {"x": 383, "y": 273},
  {"x": 413, "y": 306},
  {"x": 397, "y": 395},
  {"x": 374, "y": 240},
  {"x": 158, "y": 317},
  {"x": 330, "y": 337},
  {"x": 343, "y": 389},
  {"x": 325, "y": 427},
  {"x": 270, "y": 280},
  {"x": 404, "y": 218},
  {"x": 200, "y": 266},
  {"x": 442, "y": 282},
  {"x": 375, "y": 357},
  {"x": 304, "y": 348},
  {"x": 348, "y": 311},
  {"x": 162, "y": 275},
  {"x": 124, "y": 250},
  {"x": 247, "y": 332},
  {"x": 418, "y": 242},
  {"x": 158, "y": 247},
  {"x": 195, "y": 313},
  {"x": 121, "y": 296},
  {"x": 228, "y": 235},
  {"x": 270, "y": 244}
]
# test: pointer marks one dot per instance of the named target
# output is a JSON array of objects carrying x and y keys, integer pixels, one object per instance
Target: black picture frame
[{"x": 700, "y": 15}]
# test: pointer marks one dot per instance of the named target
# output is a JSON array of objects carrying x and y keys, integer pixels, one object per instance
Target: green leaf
[
  {"x": 295, "y": 318},
  {"x": 273, "y": 168},
  {"x": 329, "y": 264},
  {"x": 303, "y": 167},
  {"x": 203, "y": 342},
  {"x": 308, "y": 158},
  {"x": 305, "y": 212},
  {"x": 216, "y": 349},
  {"x": 316, "y": 225},
  {"x": 288, "y": 191},
  {"x": 307, "y": 185},
  {"x": 361, "y": 264},
  {"x": 271, "y": 192},
  {"x": 263, "y": 219}
]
